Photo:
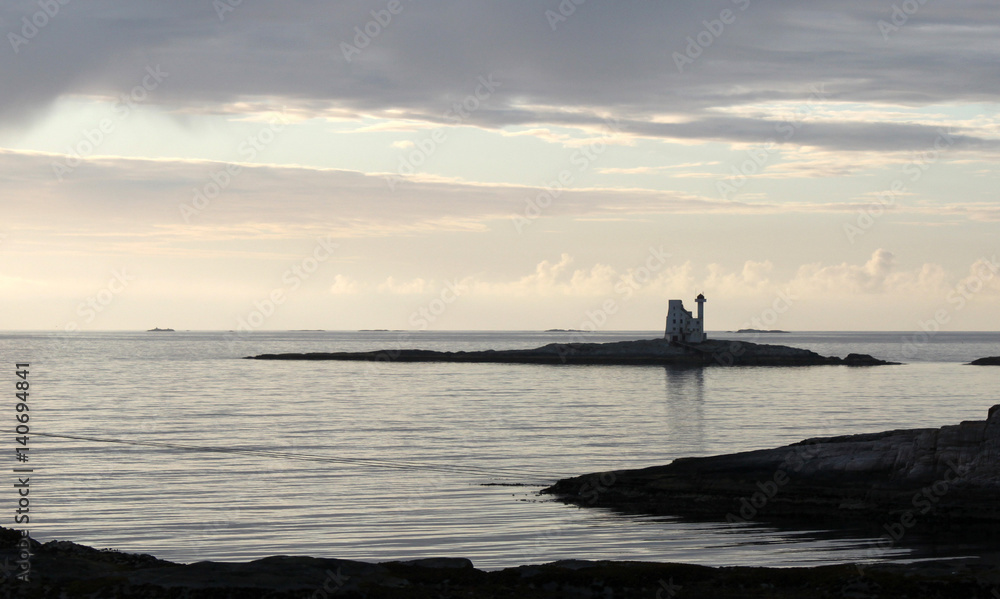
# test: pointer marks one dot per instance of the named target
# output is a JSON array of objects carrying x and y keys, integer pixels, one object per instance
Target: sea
[{"x": 174, "y": 445}]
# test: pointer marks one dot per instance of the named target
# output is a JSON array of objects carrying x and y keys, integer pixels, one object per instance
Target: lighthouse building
[{"x": 682, "y": 325}]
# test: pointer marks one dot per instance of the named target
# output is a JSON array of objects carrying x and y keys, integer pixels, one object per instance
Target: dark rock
[
  {"x": 70, "y": 571},
  {"x": 862, "y": 360},
  {"x": 994, "y": 361},
  {"x": 934, "y": 476},
  {"x": 457, "y": 563}
]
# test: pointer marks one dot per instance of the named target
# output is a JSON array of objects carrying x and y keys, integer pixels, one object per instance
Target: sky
[{"x": 445, "y": 164}]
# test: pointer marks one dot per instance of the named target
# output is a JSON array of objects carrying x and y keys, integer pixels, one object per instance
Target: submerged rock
[
  {"x": 642, "y": 352},
  {"x": 933, "y": 475}
]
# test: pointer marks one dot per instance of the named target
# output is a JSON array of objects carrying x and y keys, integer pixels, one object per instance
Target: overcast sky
[{"x": 437, "y": 164}]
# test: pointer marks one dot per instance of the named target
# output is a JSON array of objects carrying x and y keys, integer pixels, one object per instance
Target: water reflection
[{"x": 685, "y": 408}]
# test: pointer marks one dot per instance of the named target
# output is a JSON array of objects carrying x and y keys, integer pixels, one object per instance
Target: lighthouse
[{"x": 682, "y": 326}]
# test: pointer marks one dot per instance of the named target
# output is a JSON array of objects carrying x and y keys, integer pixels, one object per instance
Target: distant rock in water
[
  {"x": 760, "y": 331},
  {"x": 159, "y": 330},
  {"x": 650, "y": 352},
  {"x": 931, "y": 476},
  {"x": 994, "y": 361}
]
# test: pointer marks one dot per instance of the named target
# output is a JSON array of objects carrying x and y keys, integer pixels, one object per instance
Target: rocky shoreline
[
  {"x": 62, "y": 569},
  {"x": 949, "y": 476},
  {"x": 649, "y": 352}
]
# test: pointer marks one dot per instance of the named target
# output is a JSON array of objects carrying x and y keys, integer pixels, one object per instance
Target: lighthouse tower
[{"x": 684, "y": 327}]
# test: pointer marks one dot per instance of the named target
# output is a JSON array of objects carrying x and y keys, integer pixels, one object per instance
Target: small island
[
  {"x": 994, "y": 361},
  {"x": 684, "y": 344},
  {"x": 761, "y": 331},
  {"x": 159, "y": 330},
  {"x": 646, "y": 352}
]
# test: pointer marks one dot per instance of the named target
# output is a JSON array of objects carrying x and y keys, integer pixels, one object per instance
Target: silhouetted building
[{"x": 682, "y": 325}]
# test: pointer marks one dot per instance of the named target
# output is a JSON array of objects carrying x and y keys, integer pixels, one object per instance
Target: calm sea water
[{"x": 390, "y": 461}]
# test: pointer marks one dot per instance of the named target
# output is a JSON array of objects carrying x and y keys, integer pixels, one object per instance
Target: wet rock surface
[
  {"x": 642, "y": 352},
  {"x": 943, "y": 477}
]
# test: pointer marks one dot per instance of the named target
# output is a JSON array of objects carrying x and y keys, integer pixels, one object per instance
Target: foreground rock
[
  {"x": 942, "y": 477},
  {"x": 644, "y": 352},
  {"x": 67, "y": 570},
  {"x": 994, "y": 361}
]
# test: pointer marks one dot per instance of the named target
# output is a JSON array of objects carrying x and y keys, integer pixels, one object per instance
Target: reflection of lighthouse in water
[
  {"x": 682, "y": 325},
  {"x": 684, "y": 410}
]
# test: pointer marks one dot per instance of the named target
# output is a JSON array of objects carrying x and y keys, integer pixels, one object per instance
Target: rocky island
[
  {"x": 933, "y": 477},
  {"x": 652, "y": 352},
  {"x": 994, "y": 361}
]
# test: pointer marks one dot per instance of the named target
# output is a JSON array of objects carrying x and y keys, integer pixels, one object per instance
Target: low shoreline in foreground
[
  {"x": 65, "y": 569},
  {"x": 942, "y": 477}
]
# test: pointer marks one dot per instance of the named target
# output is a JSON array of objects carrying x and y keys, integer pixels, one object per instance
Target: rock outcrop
[
  {"x": 932, "y": 476},
  {"x": 643, "y": 352},
  {"x": 994, "y": 361}
]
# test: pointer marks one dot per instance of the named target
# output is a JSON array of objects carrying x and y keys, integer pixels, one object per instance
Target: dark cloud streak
[{"x": 606, "y": 58}]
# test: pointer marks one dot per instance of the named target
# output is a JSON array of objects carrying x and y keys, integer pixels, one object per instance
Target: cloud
[
  {"x": 343, "y": 285},
  {"x": 414, "y": 287},
  {"x": 611, "y": 59},
  {"x": 645, "y": 170},
  {"x": 869, "y": 278},
  {"x": 117, "y": 204},
  {"x": 879, "y": 275}
]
